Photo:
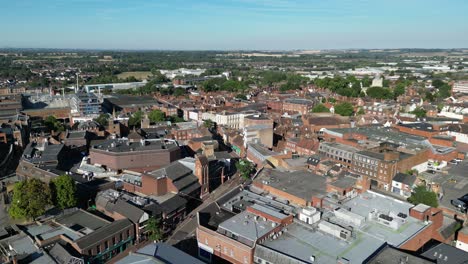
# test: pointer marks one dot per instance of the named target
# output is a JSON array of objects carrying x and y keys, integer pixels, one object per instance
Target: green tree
[
  {"x": 379, "y": 93},
  {"x": 344, "y": 109},
  {"x": 245, "y": 168},
  {"x": 64, "y": 191},
  {"x": 53, "y": 124},
  {"x": 102, "y": 119},
  {"x": 320, "y": 108},
  {"x": 208, "y": 123},
  {"x": 361, "y": 111},
  {"x": 156, "y": 116},
  {"x": 135, "y": 119},
  {"x": 153, "y": 227},
  {"x": 175, "y": 119},
  {"x": 241, "y": 96},
  {"x": 399, "y": 90},
  {"x": 179, "y": 91},
  {"x": 422, "y": 195},
  {"x": 30, "y": 199},
  {"x": 419, "y": 112}
]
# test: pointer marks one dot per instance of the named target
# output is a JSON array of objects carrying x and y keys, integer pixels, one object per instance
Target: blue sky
[{"x": 234, "y": 24}]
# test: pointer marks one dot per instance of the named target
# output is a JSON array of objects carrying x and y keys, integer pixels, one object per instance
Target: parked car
[
  {"x": 460, "y": 205},
  {"x": 431, "y": 171},
  {"x": 464, "y": 198},
  {"x": 453, "y": 162},
  {"x": 458, "y": 159}
]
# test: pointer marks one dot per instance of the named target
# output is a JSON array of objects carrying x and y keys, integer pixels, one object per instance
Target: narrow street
[{"x": 187, "y": 228}]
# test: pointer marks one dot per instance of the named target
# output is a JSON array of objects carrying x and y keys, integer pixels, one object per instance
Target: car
[
  {"x": 459, "y": 204},
  {"x": 464, "y": 198},
  {"x": 453, "y": 162},
  {"x": 431, "y": 171},
  {"x": 458, "y": 160}
]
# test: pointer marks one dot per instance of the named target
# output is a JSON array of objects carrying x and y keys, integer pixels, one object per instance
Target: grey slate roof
[
  {"x": 405, "y": 178},
  {"x": 60, "y": 254},
  {"x": 444, "y": 253},
  {"x": 389, "y": 255},
  {"x": 181, "y": 176},
  {"x": 102, "y": 233},
  {"x": 128, "y": 210},
  {"x": 159, "y": 253}
]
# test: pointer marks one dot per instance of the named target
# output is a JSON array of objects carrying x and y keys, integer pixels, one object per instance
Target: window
[
  {"x": 106, "y": 244},
  {"x": 120, "y": 237},
  {"x": 128, "y": 233},
  {"x": 113, "y": 240},
  {"x": 98, "y": 249}
]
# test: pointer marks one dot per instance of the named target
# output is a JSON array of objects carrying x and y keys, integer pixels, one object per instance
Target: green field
[{"x": 140, "y": 75}]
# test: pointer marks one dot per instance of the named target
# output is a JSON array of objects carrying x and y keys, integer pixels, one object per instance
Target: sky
[{"x": 233, "y": 24}]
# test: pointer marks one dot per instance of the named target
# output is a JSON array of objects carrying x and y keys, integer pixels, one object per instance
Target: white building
[{"x": 460, "y": 87}]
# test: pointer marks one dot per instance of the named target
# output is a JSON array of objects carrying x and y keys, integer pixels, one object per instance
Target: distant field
[{"x": 140, "y": 75}]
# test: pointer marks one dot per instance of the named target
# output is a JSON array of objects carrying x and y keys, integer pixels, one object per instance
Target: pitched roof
[
  {"x": 405, "y": 178},
  {"x": 102, "y": 233},
  {"x": 128, "y": 210},
  {"x": 444, "y": 253}
]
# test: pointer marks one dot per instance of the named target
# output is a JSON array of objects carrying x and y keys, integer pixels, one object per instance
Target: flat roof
[
  {"x": 83, "y": 219},
  {"x": 248, "y": 226},
  {"x": 123, "y": 145},
  {"x": 303, "y": 184},
  {"x": 302, "y": 241}
]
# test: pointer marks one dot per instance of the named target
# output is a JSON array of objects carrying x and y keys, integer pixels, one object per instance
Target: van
[{"x": 459, "y": 204}]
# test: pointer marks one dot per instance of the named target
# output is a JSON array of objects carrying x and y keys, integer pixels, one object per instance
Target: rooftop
[
  {"x": 302, "y": 241},
  {"x": 124, "y": 145},
  {"x": 302, "y": 184},
  {"x": 246, "y": 227},
  {"x": 159, "y": 253}
]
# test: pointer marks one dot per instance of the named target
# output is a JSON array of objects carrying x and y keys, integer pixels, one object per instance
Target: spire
[{"x": 113, "y": 112}]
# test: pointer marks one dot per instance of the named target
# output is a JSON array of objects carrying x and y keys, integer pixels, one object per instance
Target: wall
[
  {"x": 219, "y": 243},
  {"x": 137, "y": 160},
  {"x": 291, "y": 198}
]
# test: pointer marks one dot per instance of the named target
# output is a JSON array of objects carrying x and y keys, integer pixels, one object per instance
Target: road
[{"x": 186, "y": 229}]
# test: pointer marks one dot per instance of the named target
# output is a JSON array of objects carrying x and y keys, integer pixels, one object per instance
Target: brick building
[
  {"x": 302, "y": 106},
  {"x": 121, "y": 154}
]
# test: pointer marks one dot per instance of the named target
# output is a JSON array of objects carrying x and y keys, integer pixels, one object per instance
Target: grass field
[{"x": 140, "y": 75}]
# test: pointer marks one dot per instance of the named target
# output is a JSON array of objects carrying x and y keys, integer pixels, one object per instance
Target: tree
[
  {"x": 379, "y": 93},
  {"x": 30, "y": 199},
  {"x": 399, "y": 90},
  {"x": 344, "y": 109},
  {"x": 154, "y": 229},
  {"x": 156, "y": 116},
  {"x": 135, "y": 119},
  {"x": 245, "y": 168},
  {"x": 422, "y": 195},
  {"x": 179, "y": 91},
  {"x": 419, "y": 112},
  {"x": 53, "y": 124},
  {"x": 175, "y": 119},
  {"x": 241, "y": 96},
  {"x": 102, "y": 119},
  {"x": 361, "y": 111},
  {"x": 209, "y": 124},
  {"x": 64, "y": 191},
  {"x": 320, "y": 108}
]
